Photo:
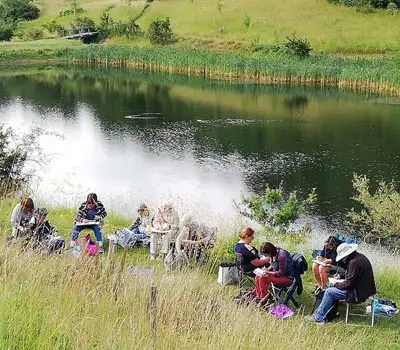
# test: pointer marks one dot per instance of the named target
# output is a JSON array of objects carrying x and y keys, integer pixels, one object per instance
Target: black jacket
[{"x": 359, "y": 279}]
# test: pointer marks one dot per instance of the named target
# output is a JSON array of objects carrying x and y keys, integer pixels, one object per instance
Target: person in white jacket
[
  {"x": 165, "y": 228},
  {"x": 21, "y": 215}
]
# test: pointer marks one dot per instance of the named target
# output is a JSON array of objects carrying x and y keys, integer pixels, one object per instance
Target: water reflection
[{"x": 206, "y": 142}]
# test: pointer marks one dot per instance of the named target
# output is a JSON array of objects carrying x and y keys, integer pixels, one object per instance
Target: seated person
[
  {"x": 21, "y": 215},
  {"x": 328, "y": 257},
  {"x": 250, "y": 258},
  {"x": 143, "y": 222},
  {"x": 166, "y": 222},
  {"x": 279, "y": 272},
  {"x": 194, "y": 239},
  {"x": 41, "y": 233},
  {"x": 90, "y": 210},
  {"x": 358, "y": 285},
  {"x": 138, "y": 232}
]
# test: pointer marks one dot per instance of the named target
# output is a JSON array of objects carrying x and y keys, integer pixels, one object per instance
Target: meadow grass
[
  {"x": 62, "y": 303},
  {"x": 330, "y": 28}
]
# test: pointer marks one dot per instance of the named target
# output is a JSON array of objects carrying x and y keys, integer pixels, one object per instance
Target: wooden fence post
[
  {"x": 153, "y": 313},
  {"x": 119, "y": 273}
]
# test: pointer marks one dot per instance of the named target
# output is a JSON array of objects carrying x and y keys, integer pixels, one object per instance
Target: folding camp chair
[
  {"x": 244, "y": 277},
  {"x": 283, "y": 294},
  {"x": 371, "y": 301}
]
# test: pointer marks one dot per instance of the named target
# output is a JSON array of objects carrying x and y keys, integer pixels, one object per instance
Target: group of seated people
[
  {"x": 354, "y": 279},
  {"x": 160, "y": 230}
]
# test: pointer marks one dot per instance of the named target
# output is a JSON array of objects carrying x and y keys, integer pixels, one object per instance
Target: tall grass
[
  {"x": 372, "y": 75},
  {"x": 61, "y": 303}
]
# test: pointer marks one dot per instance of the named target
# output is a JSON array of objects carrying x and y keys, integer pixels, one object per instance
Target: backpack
[
  {"x": 299, "y": 267},
  {"x": 299, "y": 263},
  {"x": 332, "y": 312}
]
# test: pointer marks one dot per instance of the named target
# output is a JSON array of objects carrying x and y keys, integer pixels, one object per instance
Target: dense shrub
[
  {"x": 6, "y": 33},
  {"x": 18, "y": 10},
  {"x": 54, "y": 27},
  {"x": 160, "y": 32},
  {"x": 83, "y": 22},
  {"x": 295, "y": 46},
  {"x": 378, "y": 220},
  {"x": 364, "y": 5}
]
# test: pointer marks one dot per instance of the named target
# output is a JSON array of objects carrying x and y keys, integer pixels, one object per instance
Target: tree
[
  {"x": 15, "y": 153},
  {"x": 274, "y": 209},
  {"x": 18, "y": 10}
]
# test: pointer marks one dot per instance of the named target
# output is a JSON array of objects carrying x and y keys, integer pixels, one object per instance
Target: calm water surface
[{"x": 135, "y": 137}]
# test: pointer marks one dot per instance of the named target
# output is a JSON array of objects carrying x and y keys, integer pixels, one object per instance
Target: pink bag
[{"x": 91, "y": 249}]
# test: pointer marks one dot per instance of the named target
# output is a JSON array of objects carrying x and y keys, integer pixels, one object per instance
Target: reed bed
[{"x": 379, "y": 75}]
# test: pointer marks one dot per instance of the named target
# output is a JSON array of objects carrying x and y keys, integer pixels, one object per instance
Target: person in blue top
[
  {"x": 91, "y": 210},
  {"x": 326, "y": 264}
]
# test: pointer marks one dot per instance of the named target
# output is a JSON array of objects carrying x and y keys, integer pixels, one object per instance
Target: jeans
[
  {"x": 330, "y": 295},
  {"x": 77, "y": 229}
]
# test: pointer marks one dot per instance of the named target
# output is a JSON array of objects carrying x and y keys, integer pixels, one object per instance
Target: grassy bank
[
  {"x": 220, "y": 24},
  {"x": 58, "y": 303},
  {"x": 380, "y": 75}
]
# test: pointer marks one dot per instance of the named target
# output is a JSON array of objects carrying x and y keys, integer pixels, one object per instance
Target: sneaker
[
  {"x": 311, "y": 319},
  {"x": 315, "y": 288},
  {"x": 101, "y": 251}
]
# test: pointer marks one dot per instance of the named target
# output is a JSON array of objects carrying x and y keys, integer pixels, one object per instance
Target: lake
[{"x": 138, "y": 137}]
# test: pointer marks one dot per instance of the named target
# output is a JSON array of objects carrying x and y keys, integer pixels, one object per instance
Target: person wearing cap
[
  {"x": 165, "y": 227},
  {"x": 21, "y": 215},
  {"x": 327, "y": 257},
  {"x": 143, "y": 221},
  {"x": 358, "y": 285},
  {"x": 42, "y": 233},
  {"x": 91, "y": 210}
]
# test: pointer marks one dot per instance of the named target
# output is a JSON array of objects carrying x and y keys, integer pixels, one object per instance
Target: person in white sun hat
[{"x": 358, "y": 285}]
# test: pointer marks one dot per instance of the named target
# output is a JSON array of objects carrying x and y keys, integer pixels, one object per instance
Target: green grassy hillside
[{"x": 330, "y": 28}]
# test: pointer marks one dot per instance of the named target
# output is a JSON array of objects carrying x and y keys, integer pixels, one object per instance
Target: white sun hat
[{"x": 345, "y": 249}]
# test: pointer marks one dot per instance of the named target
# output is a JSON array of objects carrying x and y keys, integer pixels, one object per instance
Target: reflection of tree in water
[{"x": 296, "y": 103}]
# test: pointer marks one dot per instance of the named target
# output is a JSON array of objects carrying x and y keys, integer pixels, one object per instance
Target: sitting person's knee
[{"x": 315, "y": 267}]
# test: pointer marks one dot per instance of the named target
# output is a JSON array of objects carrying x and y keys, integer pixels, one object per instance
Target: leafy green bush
[
  {"x": 18, "y": 10},
  {"x": 392, "y": 8},
  {"x": 6, "y": 32},
  {"x": 295, "y": 46},
  {"x": 83, "y": 22},
  {"x": 365, "y": 5},
  {"x": 378, "y": 220},
  {"x": 246, "y": 21},
  {"x": 274, "y": 209},
  {"x": 54, "y": 27},
  {"x": 33, "y": 34},
  {"x": 160, "y": 32}
]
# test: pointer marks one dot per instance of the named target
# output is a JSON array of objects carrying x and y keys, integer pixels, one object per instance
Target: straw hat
[{"x": 345, "y": 249}]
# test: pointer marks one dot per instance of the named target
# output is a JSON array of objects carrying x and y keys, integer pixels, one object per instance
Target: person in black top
[
  {"x": 250, "y": 257},
  {"x": 326, "y": 263}
]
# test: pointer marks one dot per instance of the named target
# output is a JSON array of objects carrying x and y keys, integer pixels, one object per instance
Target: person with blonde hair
[
  {"x": 250, "y": 258},
  {"x": 165, "y": 228}
]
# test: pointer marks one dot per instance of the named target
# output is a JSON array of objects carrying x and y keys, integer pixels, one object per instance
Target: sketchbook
[
  {"x": 87, "y": 223},
  {"x": 332, "y": 281},
  {"x": 258, "y": 272},
  {"x": 322, "y": 263}
]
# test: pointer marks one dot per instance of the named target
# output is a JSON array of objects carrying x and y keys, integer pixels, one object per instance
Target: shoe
[
  {"x": 313, "y": 291},
  {"x": 101, "y": 251},
  {"x": 311, "y": 319}
]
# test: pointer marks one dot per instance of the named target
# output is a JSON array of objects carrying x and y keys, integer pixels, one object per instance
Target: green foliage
[
  {"x": 18, "y": 10},
  {"x": 160, "y": 32},
  {"x": 392, "y": 8},
  {"x": 274, "y": 209},
  {"x": 83, "y": 22},
  {"x": 365, "y": 5},
  {"x": 33, "y": 34},
  {"x": 378, "y": 220},
  {"x": 15, "y": 153},
  {"x": 246, "y": 21},
  {"x": 6, "y": 32},
  {"x": 74, "y": 10},
  {"x": 54, "y": 27},
  {"x": 299, "y": 47}
]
